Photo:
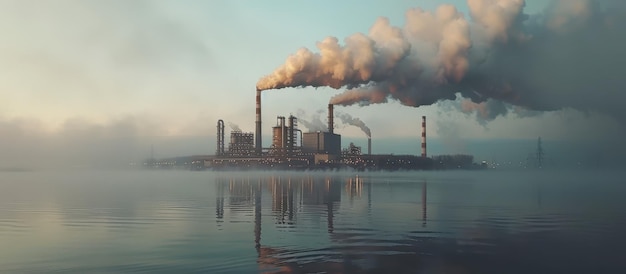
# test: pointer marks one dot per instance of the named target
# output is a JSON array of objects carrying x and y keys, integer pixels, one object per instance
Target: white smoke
[
  {"x": 348, "y": 119},
  {"x": 568, "y": 56},
  {"x": 313, "y": 123},
  {"x": 234, "y": 127}
]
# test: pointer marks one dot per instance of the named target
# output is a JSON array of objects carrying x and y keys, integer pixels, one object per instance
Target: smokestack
[
  {"x": 331, "y": 123},
  {"x": 424, "y": 136},
  {"x": 283, "y": 133},
  {"x": 369, "y": 146},
  {"x": 291, "y": 137},
  {"x": 258, "y": 123}
]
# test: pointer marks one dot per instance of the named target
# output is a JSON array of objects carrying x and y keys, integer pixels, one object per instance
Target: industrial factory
[{"x": 291, "y": 148}]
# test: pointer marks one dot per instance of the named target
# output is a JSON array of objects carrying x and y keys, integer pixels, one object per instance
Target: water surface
[{"x": 403, "y": 222}]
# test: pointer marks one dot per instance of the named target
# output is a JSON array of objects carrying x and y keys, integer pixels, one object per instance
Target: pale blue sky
[{"x": 172, "y": 68}]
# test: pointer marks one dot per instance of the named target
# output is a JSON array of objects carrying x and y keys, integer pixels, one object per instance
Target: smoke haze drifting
[
  {"x": 313, "y": 123},
  {"x": 348, "y": 119},
  {"x": 234, "y": 127},
  {"x": 568, "y": 56}
]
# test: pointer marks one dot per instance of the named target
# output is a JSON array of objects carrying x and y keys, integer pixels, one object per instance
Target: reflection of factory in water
[
  {"x": 293, "y": 149},
  {"x": 279, "y": 202},
  {"x": 288, "y": 196}
]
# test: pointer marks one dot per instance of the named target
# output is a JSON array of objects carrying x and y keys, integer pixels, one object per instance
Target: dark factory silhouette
[{"x": 291, "y": 148}]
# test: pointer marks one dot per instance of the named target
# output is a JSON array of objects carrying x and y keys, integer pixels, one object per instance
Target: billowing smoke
[
  {"x": 233, "y": 126},
  {"x": 486, "y": 110},
  {"x": 313, "y": 123},
  {"x": 568, "y": 56},
  {"x": 347, "y": 119}
]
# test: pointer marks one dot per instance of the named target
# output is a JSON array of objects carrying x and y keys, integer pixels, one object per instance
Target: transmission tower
[{"x": 539, "y": 154}]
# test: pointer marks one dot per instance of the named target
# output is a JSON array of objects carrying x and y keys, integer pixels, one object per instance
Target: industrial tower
[{"x": 539, "y": 154}]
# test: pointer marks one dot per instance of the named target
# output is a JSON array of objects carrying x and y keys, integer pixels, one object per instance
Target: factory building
[
  {"x": 285, "y": 136},
  {"x": 241, "y": 144},
  {"x": 325, "y": 146},
  {"x": 351, "y": 150},
  {"x": 293, "y": 149},
  {"x": 321, "y": 142}
]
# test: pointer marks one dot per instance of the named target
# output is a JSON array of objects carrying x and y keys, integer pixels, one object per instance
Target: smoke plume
[
  {"x": 233, "y": 126},
  {"x": 347, "y": 119},
  {"x": 314, "y": 123},
  {"x": 568, "y": 56}
]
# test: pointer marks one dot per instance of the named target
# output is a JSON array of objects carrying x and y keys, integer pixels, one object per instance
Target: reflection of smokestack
[
  {"x": 258, "y": 123},
  {"x": 331, "y": 123},
  {"x": 424, "y": 136},
  {"x": 329, "y": 215},
  {"x": 424, "y": 197},
  {"x": 257, "y": 216},
  {"x": 369, "y": 145}
]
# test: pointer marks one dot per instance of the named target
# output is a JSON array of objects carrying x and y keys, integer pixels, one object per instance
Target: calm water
[{"x": 413, "y": 222}]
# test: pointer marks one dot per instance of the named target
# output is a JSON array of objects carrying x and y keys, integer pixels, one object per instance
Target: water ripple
[{"x": 311, "y": 223}]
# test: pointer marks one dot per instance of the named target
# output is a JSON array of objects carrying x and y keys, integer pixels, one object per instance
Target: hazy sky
[{"x": 113, "y": 77}]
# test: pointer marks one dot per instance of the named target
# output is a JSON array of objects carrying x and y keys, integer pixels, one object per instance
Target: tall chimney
[
  {"x": 369, "y": 145},
  {"x": 331, "y": 123},
  {"x": 291, "y": 138},
  {"x": 283, "y": 132},
  {"x": 424, "y": 136},
  {"x": 257, "y": 133}
]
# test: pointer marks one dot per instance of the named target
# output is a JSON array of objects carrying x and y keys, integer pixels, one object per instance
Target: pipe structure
[
  {"x": 258, "y": 141},
  {"x": 331, "y": 122},
  {"x": 283, "y": 133},
  {"x": 424, "y": 136},
  {"x": 369, "y": 145},
  {"x": 220, "y": 138}
]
